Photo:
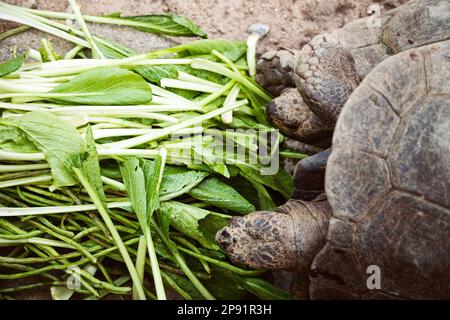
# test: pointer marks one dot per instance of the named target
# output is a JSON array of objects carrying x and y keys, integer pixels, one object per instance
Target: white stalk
[
  {"x": 27, "y": 180},
  {"x": 216, "y": 94},
  {"x": 186, "y": 85},
  {"x": 188, "y": 77},
  {"x": 23, "y": 167},
  {"x": 116, "y": 184},
  {"x": 218, "y": 68},
  {"x": 73, "y": 52},
  {"x": 120, "y": 122},
  {"x": 230, "y": 99},
  {"x": 121, "y": 114},
  {"x": 103, "y": 152},
  {"x": 170, "y": 95},
  {"x": 9, "y": 86},
  {"x": 34, "y": 54},
  {"x": 32, "y": 211},
  {"x": 34, "y": 240},
  {"x": 24, "y": 18},
  {"x": 129, "y": 143},
  {"x": 130, "y": 61},
  {"x": 17, "y": 156},
  {"x": 107, "y": 133},
  {"x": 76, "y": 10},
  {"x": 124, "y": 109},
  {"x": 142, "y": 153},
  {"x": 251, "y": 54}
]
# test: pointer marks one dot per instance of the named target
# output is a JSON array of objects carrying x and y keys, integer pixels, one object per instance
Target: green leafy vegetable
[
  {"x": 142, "y": 179},
  {"x": 281, "y": 181},
  {"x": 185, "y": 218},
  {"x": 178, "y": 180},
  {"x": 58, "y": 140},
  {"x": 132, "y": 105},
  {"x": 167, "y": 24},
  {"x": 86, "y": 167},
  {"x": 231, "y": 49},
  {"x": 223, "y": 288},
  {"x": 263, "y": 289},
  {"x": 12, "y": 65},
  {"x": 104, "y": 86},
  {"x": 13, "y": 139},
  {"x": 156, "y": 73},
  {"x": 210, "y": 225},
  {"x": 221, "y": 195}
]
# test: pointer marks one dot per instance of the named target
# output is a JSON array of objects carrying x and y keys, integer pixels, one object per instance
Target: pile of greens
[{"x": 93, "y": 186}]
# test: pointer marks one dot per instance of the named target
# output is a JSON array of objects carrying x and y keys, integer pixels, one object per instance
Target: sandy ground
[{"x": 293, "y": 22}]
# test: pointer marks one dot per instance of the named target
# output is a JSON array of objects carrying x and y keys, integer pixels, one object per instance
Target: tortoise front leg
[{"x": 309, "y": 176}]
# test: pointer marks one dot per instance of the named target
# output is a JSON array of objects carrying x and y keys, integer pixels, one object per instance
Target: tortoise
[
  {"x": 332, "y": 65},
  {"x": 386, "y": 205}
]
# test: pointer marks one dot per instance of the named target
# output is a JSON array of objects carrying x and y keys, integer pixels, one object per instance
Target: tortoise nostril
[{"x": 224, "y": 239}]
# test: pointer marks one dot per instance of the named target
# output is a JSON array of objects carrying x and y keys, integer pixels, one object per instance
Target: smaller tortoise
[
  {"x": 332, "y": 65},
  {"x": 388, "y": 189}
]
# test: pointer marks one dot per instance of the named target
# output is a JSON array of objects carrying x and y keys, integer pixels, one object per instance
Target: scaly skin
[{"x": 275, "y": 70}]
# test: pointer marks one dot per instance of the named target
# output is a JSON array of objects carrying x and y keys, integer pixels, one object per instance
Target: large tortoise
[{"x": 387, "y": 185}]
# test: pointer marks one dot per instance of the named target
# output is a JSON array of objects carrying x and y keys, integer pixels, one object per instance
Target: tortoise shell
[{"x": 388, "y": 183}]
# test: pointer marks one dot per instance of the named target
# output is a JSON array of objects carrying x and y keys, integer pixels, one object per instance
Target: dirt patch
[{"x": 293, "y": 22}]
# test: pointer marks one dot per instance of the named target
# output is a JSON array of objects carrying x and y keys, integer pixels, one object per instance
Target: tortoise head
[
  {"x": 260, "y": 240},
  {"x": 287, "y": 238}
]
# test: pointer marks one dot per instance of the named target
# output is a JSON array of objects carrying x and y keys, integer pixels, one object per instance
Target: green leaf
[
  {"x": 221, "y": 195},
  {"x": 185, "y": 284},
  {"x": 87, "y": 169},
  {"x": 231, "y": 49},
  {"x": 185, "y": 219},
  {"x": 12, "y": 65},
  {"x": 113, "y": 50},
  {"x": 178, "y": 180},
  {"x": 281, "y": 182},
  {"x": 156, "y": 73},
  {"x": 210, "y": 225},
  {"x": 222, "y": 286},
  {"x": 90, "y": 166},
  {"x": 104, "y": 86},
  {"x": 204, "y": 74},
  {"x": 153, "y": 171},
  {"x": 245, "y": 188},
  {"x": 134, "y": 179},
  {"x": 142, "y": 180},
  {"x": 264, "y": 198},
  {"x": 263, "y": 289},
  {"x": 13, "y": 139},
  {"x": 58, "y": 140},
  {"x": 166, "y": 24},
  {"x": 205, "y": 154}
]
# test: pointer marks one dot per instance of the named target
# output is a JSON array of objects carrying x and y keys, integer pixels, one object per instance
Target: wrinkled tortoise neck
[{"x": 310, "y": 223}]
